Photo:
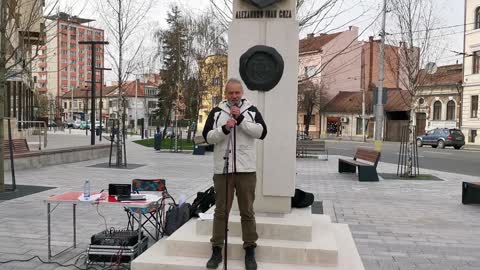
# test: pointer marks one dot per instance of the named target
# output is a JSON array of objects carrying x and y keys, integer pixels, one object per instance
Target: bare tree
[
  {"x": 122, "y": 19},
  {"x": 414, "y": 20},
  {"x": 311, "y": 98},
  {"x": 209, "y": 38}
]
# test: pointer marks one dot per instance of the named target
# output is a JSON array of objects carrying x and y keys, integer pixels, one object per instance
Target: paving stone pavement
[{"x": 396, "y": 224}]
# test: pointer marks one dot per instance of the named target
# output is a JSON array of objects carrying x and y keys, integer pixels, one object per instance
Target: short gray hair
[{"x": 233, "y": 80}]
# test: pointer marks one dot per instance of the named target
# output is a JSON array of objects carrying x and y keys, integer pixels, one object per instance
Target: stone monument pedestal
[{"x": 295, "y": 241}]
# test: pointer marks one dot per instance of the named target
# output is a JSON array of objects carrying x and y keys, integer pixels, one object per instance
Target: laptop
[{"x": 123, "y": 192}]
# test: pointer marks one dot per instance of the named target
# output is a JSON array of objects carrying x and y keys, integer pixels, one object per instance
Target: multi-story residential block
[
  {"x": 64, "y": 64},
  {"x": 471, "y": 73}
]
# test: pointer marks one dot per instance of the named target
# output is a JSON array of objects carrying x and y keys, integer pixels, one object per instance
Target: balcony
[
  {"x": 42, "y": 81},
  {"x": 42, "y": 64},
  {"x": 41, "y": 89},
  {"x": 42, "y": 56}
]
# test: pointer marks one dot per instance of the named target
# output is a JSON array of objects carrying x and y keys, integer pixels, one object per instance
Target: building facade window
[
  {"x": 152, "y": 104},
  {"x": 474, "y": 107},
  {"x": 437, "y": 110},
  {"x": 360, "y": 126},
  {"x": 476, "y": 62},
  {"x": 451, "y": 110},
  {"x": 473, "y": 135},
  {"x": 477, "y": 18}
]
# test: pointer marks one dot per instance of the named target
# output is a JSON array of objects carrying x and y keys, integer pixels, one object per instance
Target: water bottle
[{"x": 86, "y": 190}]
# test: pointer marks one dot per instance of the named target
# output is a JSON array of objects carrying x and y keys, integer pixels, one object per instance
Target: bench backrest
[
  {"x": 367, "y": 155},
  {"x": 19, "y": 146}
]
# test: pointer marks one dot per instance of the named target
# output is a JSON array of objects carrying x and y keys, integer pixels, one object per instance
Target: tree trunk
[{"x": 411, "y": 141}]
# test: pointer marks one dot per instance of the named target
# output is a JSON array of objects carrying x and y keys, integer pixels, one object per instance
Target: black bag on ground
[
  {"x": 176, "y": 216},
  {"x": 302, "y": 199},
  {"x": 203, "y": 202}
]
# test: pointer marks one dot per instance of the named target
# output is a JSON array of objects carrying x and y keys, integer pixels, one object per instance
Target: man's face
[{"x": 234, "y": 92}]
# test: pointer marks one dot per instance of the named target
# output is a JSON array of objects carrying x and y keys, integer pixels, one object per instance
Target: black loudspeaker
[
  {"x": 119, "y": 189},
  {"x": 470, "y": 192}
]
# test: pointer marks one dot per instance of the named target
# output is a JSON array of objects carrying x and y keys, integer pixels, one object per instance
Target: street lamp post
[
  {"x": 92, "y": 44},
  {"x": 102, "y": 69}
]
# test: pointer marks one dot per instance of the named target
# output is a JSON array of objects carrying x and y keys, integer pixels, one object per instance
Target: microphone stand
[{"x": 226, "y": 157}]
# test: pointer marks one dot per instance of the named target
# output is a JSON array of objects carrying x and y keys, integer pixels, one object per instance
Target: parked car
[
  {"x": 442, "y": 137},
  {"x": 69, "y": 124},
  {"x": 77, "y": 124},
  {"x": 84, "y": 125}
]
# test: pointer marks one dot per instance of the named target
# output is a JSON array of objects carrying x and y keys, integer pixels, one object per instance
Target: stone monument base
[{"x": 294, "y": 241}]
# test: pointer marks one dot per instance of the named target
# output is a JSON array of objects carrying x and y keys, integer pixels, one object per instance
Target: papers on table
[{"x": 92, "y": 198}]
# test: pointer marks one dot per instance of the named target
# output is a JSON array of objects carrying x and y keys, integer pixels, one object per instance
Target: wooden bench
[
  {"x": 20, "y": 146},
  {"x": 470, "y": 192},
  {"x": 366, "y": 171},
  {"x": 307, "y": 148}
]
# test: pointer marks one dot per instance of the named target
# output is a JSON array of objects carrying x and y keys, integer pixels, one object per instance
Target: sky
[{"x": 449, "y": 14}]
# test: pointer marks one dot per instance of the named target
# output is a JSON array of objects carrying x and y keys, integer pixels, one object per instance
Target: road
[{"x": 448, "y": 160}]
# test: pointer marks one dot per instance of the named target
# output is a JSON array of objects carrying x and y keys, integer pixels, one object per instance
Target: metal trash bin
[
  {"x": 199, "y": 150},
  {"x": 157, "y": 141}
]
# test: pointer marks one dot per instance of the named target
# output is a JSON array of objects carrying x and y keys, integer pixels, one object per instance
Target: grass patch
[
  {"x": 424, "y": 177},
  {"x": 168, "y": 144}
]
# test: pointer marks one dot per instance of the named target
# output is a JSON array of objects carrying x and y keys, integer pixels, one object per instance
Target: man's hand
[
  {"x": 231, "y": 123},
  {"x": 235, "y": 112}
]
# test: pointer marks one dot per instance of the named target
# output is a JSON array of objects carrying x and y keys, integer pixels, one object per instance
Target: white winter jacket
[{"x": 250, "y": 126}]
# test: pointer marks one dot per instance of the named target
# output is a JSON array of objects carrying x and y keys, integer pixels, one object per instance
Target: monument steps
[
  {"x": 271, "y": 226},
  {"x": 321, "y": 249},
  {"x": 193, "y": 256}
]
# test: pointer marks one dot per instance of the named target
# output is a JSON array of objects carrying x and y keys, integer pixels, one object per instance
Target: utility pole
[
  {"x": 92, "y": 44},
  {"x": 379, "y": 111},
  {"x": 363, "y": 115}
]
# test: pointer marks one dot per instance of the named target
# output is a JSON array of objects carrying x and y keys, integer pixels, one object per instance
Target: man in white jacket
[{"x": 238, "y": 118}]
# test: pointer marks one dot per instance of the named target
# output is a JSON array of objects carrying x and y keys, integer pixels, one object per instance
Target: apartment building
[{"x": 64, "y": 64}]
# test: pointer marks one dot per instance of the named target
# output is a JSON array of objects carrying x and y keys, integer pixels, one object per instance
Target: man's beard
[{"x": 233, "y": 103}]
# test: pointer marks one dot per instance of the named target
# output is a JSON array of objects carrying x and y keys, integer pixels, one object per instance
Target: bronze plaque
[
  {"x": 262, "y": 3},
  {"x": 261, "y": 68}
]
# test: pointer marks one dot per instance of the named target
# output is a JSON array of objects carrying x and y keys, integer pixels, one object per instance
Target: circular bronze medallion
[{"x": 261, "y": 68}]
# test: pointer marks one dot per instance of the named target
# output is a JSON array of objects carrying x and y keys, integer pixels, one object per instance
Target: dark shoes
[
  {"x": 250, "y": 263},
  {"x": 216, "y": 258}
]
